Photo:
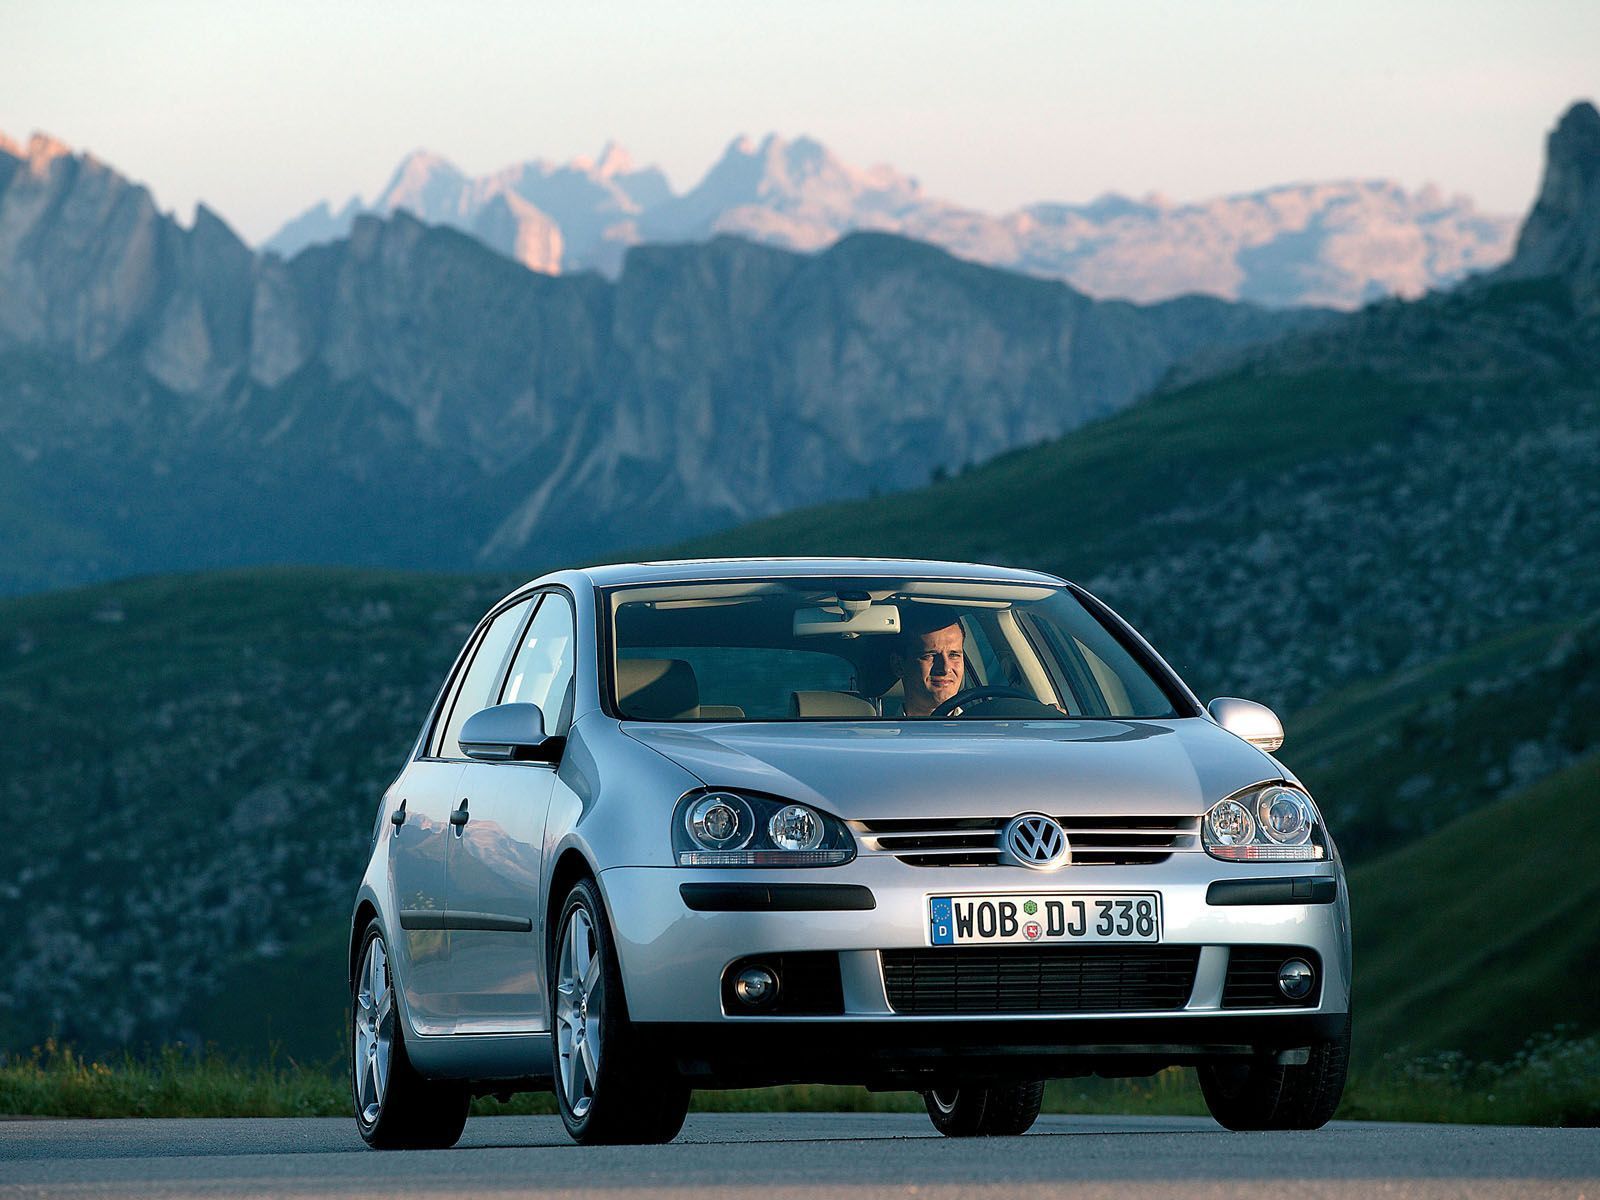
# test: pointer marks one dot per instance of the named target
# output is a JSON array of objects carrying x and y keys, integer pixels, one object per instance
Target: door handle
[
  {"x": 458, "y": 816},
  {"x": 398, "y": 817}
]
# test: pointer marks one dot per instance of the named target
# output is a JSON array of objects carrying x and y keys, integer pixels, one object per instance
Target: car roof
[{"x": 694, "y": 570}]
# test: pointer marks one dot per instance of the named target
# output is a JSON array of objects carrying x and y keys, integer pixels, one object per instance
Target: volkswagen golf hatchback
[{"x": 914, "y": 825}]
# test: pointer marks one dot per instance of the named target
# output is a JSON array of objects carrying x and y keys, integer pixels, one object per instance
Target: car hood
[{"x": 878, "y": 770}]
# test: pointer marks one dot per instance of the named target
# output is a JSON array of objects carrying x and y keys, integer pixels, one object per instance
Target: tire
[
  {"x": 1002, "y": 1110},
  {"x": 611, "y": 1088},
  {"x": 1263, "y": 1095},
  {"x": 396, "y": 1108}
]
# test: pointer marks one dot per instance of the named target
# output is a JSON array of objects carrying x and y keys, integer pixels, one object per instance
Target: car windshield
[{"x": 869, "y": 650}]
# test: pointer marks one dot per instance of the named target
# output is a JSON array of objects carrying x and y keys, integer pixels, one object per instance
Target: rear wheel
[
  {"x": 1263, "y": 1095},
  {"x": 996, "y": 1111},
  {"x": 611, "y": 1088},
  {"x": 396, "y": 1108}
]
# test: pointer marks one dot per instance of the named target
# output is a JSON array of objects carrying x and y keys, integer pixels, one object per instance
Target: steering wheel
[{"x": 979, "y": 695}]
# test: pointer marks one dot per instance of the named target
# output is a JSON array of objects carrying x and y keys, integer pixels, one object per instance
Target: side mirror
[
  {"x": 1255, "y": 723},
  {"x": 504, "y": 733}
]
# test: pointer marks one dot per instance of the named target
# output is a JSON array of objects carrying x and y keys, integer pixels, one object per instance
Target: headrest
[
  {"x": 657, "y": 689},
  {"x": 829, "y": 704}
]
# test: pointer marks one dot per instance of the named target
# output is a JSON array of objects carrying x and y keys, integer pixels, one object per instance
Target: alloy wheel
[
  {"x": 578, "y": 1011},
  {"x": 374, "y": 1032}
]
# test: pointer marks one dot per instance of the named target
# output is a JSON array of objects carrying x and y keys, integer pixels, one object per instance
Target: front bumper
[
  {"x": 673, "y": 956},
  {"x": 917, "y": 1054}
]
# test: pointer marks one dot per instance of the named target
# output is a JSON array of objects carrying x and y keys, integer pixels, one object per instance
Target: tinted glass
[
  {"x": 541, "y": 673},
  {"x": 866, "y": 649},
  {"x": 481, "y": 678}
]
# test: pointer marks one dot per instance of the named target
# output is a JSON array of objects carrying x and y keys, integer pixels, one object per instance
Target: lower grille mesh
[{"x": 1029, "y": 979}]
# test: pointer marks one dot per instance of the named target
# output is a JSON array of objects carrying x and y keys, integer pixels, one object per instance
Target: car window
[
  {"x": 481, "y": 678},
  {"x": 826, "y": 648},
  {"x": 759, "y": 682},
  {"x": 541, "y": 673}
]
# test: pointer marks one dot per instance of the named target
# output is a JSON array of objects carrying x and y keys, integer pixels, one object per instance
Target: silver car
[{"x": 915, "y": 825}]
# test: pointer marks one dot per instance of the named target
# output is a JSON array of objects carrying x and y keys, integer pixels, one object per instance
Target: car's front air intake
[
  {"x": 975, "y": 841},
  {"x": 1040, "y": 979}
]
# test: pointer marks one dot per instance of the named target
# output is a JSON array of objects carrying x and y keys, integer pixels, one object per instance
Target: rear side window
[{"x": 481, "y": 678}]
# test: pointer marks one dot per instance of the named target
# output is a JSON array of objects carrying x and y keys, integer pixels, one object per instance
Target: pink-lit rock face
[{"x": 1337, "y": 244}]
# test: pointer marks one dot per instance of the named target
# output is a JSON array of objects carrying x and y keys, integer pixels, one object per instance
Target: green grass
[
  {"x": 1490, "y": 928},
  {"x": 1399, "y": 757},
  {"x": 1553, "y": 1080},
  {"x": 54, "y": 1081}
]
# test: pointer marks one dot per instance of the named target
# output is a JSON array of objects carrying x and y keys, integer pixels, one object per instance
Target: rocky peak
[
  {"x": 613, "y": 160},
  {"x": 428, "y": 184},
  {"x": 1562, "y": 234},
  {"x": 44, "y": 150}
]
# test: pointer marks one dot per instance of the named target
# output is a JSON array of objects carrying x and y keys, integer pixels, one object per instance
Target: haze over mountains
[
  {"x": 1337, "y": 243},
  {"x": 408, "y": 397}
]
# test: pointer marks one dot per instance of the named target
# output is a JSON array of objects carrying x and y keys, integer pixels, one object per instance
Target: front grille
[
  {"x": 1040, "y": 979},
  {"x": 1252, "y": 980},
  {"x": 975, "y": 841}
]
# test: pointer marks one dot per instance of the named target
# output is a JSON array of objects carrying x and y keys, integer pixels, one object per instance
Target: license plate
[{"x": 1028, "y": 920}]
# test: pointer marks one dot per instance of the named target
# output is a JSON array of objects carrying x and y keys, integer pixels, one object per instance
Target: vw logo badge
[{"x": 1036, "y": 841}]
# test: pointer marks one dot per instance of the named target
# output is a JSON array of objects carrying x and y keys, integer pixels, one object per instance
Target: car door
[
  {"x": 420, "y": 828},
  {"x": 496, "y": 857}
]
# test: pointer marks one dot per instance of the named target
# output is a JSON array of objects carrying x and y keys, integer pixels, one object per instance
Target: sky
[{"x": 262, "y": 109}]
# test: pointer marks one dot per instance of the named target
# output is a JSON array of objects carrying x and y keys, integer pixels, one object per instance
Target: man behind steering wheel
[{"x": 930, "y": 661}]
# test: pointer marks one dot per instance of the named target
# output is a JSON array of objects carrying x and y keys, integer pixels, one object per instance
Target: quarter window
[{"x": 542, "y": 671}]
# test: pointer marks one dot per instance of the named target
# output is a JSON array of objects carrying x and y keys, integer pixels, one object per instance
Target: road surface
[{"x": 799, "y": 1156}]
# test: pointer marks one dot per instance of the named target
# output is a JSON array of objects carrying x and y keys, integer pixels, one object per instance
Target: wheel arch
[
  {"x": 366, "y": 913},
  {"x": 570, "y": 866}
]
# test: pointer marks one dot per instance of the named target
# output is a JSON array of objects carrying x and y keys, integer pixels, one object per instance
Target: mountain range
[
  {"x": 1337, "y": 244},
  {"x": 405, "y": 396},
  {"x": 1384, "y": 526}
]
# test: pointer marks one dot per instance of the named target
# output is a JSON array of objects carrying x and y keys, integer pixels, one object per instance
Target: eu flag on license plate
[{"x": 942, "y": 923}]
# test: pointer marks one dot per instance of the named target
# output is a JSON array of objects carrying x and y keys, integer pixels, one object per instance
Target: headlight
[
  {"x": 1275, "y": 823},
  {"x": 731, "y": 829},
  {"x": 721, "y": 822},
  {"x": 795, "y": 827}
]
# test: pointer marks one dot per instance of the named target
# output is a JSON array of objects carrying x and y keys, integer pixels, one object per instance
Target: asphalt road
[{"x": 809, "y": 1156}]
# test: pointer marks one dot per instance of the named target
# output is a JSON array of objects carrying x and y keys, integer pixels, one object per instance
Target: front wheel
[
  {"x": 611, "y": 1088},
  {"x": 1263, "y": 1095},
  {"x": 396, "y": 1108},
  {"x": 999, "y": 1111}
]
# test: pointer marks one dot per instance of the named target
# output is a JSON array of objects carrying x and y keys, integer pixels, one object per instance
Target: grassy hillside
[
  {"x": 1358, "y": 503},
  {"x": 1486, "y": 931},
  {"x": 193, "y": 764},
  {"x": 200, "y": 757},
  {"x": 1398, "y": 757}
]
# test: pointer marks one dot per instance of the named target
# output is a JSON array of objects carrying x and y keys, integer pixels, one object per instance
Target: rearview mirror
[
  {"x": 504, "y": 733},
  {"x": 1255, "y": 723},
  {"x": 851, "y": 618}
]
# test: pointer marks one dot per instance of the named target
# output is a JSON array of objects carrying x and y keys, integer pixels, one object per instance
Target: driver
[{"x": 932, "y": 665}]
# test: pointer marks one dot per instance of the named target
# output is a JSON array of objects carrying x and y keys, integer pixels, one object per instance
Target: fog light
[
  {"x": 756, "y": 987},
  {"x": 1295, "y": 979}
]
